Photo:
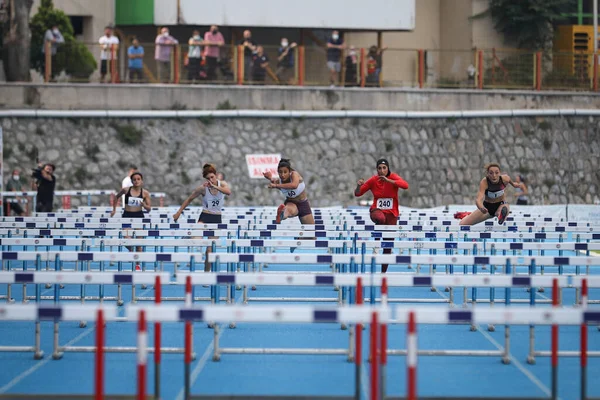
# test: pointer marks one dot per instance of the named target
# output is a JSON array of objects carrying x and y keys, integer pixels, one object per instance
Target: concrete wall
[
  {"x": 210, "y": 97},
  {"x": 484, "y": 34},
  {"x": 442, "y": 159}
]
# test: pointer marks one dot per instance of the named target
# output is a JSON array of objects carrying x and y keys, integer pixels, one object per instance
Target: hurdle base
[
  {"x": 451, "y": 353},
  {"x": 267, "y": 397},
  {"x": 567, "y": 353},
  {"x": 117, "y": 349},
  {"x": 69, "y": 396},
  {"x": 295, "y": 299},
  {"x": 17, "y": 349},
  {"x": 466, "y": 398},
  {"x": 278, "y": 351}
]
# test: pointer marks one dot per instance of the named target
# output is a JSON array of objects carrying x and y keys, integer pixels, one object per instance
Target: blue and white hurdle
[
  {"x": 308, "y": 279},
  {"x": 348, "y": 262},
  {"x": 355, "y": 315}
]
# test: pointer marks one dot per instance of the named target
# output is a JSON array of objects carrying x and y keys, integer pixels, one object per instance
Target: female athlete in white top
[
  {"x": 213, "y": 194},
  {"x": 292, "y": 186}
]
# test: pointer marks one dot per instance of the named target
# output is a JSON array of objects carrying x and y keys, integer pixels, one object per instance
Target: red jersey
[{"x": 385, "y": 194}]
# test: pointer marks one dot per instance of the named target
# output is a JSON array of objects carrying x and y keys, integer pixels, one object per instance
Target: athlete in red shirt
[{"x": 384, "y": 186}]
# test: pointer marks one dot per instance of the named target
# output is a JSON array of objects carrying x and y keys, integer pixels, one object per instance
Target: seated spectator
[
  {"x": 261, "y": 63},
  {"x": 351, "y": 65},
  {"x": 135, "y": 52},
  {"x": 285, "y": 62}
]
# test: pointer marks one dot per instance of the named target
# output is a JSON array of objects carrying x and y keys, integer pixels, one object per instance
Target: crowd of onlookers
[{"x": 204, "y": 60}]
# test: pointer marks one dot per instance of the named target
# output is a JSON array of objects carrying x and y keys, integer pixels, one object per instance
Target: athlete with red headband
[{"x": 384, "y": 186}]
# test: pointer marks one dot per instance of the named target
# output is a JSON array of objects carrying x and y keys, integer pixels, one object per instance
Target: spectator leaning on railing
[
  {"x": 135, "y": 52},
  {"x": 54, "y": 37},
  {"x": 249, "y": 51},
  {"x": 261, "y": 63},
  {"x": 335, "y": 45},
  {"x": 108, "y": 43},
  {"x": 351, "y": 64},
  {"x": 164, "y": 47},
  {"x": 285, "y": 62},
  {"x": 213, "y": 40},
  {"x": 194, "y": 56}
]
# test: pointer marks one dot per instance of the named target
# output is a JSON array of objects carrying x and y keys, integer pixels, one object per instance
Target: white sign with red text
[{"x": 259, "y": 163}]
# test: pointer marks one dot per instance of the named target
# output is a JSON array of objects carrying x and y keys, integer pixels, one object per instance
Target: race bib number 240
[{"x": 385, "y": 204}]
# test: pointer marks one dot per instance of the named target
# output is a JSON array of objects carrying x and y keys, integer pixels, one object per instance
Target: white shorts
[{"x": 334, "y": 66}]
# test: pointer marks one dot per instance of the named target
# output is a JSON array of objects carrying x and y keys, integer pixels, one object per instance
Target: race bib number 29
[{"x": 385, "y": 204}]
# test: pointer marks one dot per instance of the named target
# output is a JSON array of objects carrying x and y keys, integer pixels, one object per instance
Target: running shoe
[
  {"x": 279, "y": 216},
  {"x": 502, "y": 216}
]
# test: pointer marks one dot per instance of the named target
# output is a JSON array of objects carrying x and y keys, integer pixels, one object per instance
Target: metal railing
[{"x": 307, "y": 66}]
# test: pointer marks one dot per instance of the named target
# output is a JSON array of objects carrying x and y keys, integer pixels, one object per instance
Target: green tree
[
  {"x": 528, "y": 23},
  {"x": 15, "y": 39},
  {"x": 72, "y": 57}
]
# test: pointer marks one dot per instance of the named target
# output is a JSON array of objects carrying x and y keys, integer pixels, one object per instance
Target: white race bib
[
  {"x": 135, "y": 202},
  {"x": 385, "y": 204}
]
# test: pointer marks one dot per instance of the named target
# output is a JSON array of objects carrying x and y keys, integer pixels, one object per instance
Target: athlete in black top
[
  {"x": 136, "y": 199},
  {"x": 491, "y": 197}
]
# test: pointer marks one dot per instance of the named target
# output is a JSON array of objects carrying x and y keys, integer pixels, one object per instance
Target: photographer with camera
[{"x": 44, "y": 184}]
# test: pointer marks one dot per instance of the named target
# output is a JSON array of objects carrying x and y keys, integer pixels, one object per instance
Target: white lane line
[
  {"x": 41, "y": 363},
  {"x": 205, "y": 356},
  {"x": 46, "y": 359},
  {"x": 513, "y": 360}
]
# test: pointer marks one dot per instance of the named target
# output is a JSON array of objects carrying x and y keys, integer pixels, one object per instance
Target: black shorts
[
  {"x": 521, "y": 202},
  {"x": 132, "y": 214},
  {"x": 207, "y": 218},
  {"x": 103, "y": 67},
  {"x": 303, "y": 207},
  {"x": 493, "y": 207}
]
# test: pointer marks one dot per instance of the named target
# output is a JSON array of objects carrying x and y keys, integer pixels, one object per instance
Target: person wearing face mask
[
  {"x": 351, "y": 64},
  {"x": 194, "y": 56},
  {"x": 213, "y": 40},
  {"x": 335, "y": 45},
  {"x": 285, "y": 62},
  {"x": 54, "y": 37},
  {"x": 260, "y": 65},
  {"x": 249, "y": 50},
  {"x": 384, "y": 186},
  {"x": 14, "y": 185},
  {"x": 165, "y": 43},
  {"x": 135, "y": 53}
]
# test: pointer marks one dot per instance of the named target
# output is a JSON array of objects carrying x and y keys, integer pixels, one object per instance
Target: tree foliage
[
  {"x": 72, "y": 57},
  {"x": 529, "y": 23}
]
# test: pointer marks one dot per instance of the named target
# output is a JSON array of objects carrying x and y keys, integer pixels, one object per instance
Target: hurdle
[
  {"x": 235, "y": 261},
  {"x": 357, "y": 314},
  {"x": 384, "y": 281}
]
